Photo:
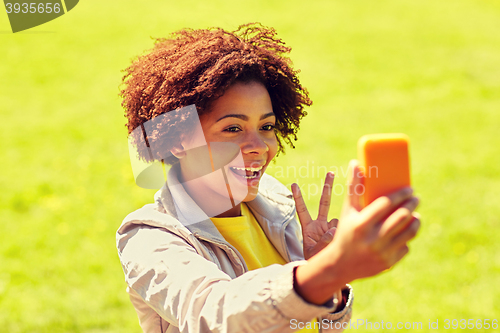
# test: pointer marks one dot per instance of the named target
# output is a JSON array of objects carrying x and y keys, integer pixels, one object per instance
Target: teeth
[
  {"x": 248, "y": 169},
  {"x": 254, "y": 171}
]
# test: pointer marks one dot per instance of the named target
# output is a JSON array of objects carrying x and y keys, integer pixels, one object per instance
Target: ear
[{"x": 178, "y": 151}]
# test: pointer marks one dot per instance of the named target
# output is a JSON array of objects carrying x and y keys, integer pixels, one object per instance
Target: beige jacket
[{"x": 184, "y": 277}]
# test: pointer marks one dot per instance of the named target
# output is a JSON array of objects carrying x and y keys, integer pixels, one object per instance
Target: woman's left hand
[{"x": 316, "y": 233}]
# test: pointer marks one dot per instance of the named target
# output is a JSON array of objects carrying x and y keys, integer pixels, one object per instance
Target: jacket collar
[{"x": 273, "y": 208}]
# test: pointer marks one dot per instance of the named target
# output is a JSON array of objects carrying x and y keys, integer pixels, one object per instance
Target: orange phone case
[{"x": 385, "y": 163}]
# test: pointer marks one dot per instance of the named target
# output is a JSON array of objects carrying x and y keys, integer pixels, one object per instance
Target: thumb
[
  {"x": 355, "y": 188},
  {"x": 324, "y": 241},
  {"x": 328, "y": 236}
]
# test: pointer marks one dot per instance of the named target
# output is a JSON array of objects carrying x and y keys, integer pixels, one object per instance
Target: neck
[
  {"x": 233, "y": 212},
  {"x": 210, "y": 200}
]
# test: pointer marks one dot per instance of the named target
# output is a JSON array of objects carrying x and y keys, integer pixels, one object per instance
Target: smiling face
[{"x": 243, "y": 116}]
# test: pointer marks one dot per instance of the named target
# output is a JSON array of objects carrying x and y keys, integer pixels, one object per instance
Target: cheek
[{"x": 273, "y": 148}]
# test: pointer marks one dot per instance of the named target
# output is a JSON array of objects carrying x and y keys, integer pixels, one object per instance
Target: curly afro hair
[{"x": 198, "y": 66}]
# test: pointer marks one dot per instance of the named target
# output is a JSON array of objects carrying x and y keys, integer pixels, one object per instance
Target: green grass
[{"x": 427, "y": 68}]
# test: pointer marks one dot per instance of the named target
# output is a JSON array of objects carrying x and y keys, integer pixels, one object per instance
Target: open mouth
[{"x": 247, "y": 172}]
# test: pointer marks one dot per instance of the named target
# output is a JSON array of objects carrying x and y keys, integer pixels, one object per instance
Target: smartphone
[{"x": 385, "y": 163}]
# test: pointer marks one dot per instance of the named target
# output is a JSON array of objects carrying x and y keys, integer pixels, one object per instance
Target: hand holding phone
[{"x": 368, "y": 240}]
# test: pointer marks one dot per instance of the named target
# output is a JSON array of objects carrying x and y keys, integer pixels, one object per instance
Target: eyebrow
[{"x": 245, "y": 117}]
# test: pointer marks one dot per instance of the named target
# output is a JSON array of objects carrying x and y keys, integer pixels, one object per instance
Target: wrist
[{"x": 316, "y": 282}]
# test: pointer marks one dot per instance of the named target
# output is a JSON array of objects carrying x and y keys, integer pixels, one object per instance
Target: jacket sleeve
[
  {"x": 190, "y": 292},
  {"x": 341, "y": 319}
]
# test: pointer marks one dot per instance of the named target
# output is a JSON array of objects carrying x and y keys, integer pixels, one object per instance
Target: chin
[
  {"x": 253, "y": 188},
  {"x": 242, "y": 190}
]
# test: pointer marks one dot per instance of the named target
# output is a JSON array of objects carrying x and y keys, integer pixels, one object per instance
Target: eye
[
  {"x": 232, "y": 129},
  {"x": 268, "y": 127}
]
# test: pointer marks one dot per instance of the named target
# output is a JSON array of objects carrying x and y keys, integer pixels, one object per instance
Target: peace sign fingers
[
  {"x": 302, "y": 212},
  {"x": 324, "y": 204},
  {"x": 326, "y": 197}
]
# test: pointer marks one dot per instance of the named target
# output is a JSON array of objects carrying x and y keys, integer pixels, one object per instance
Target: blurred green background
[{"x": 430, "y": 69}]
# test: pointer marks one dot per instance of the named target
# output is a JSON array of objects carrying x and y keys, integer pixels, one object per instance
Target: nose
[{"x": 254, "y": 143}]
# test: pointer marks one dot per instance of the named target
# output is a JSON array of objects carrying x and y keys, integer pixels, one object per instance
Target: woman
[{"x": 220, "y": 250}]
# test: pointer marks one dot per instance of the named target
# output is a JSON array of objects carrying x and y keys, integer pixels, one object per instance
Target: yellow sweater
[{"x": 245, "y": 234}]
